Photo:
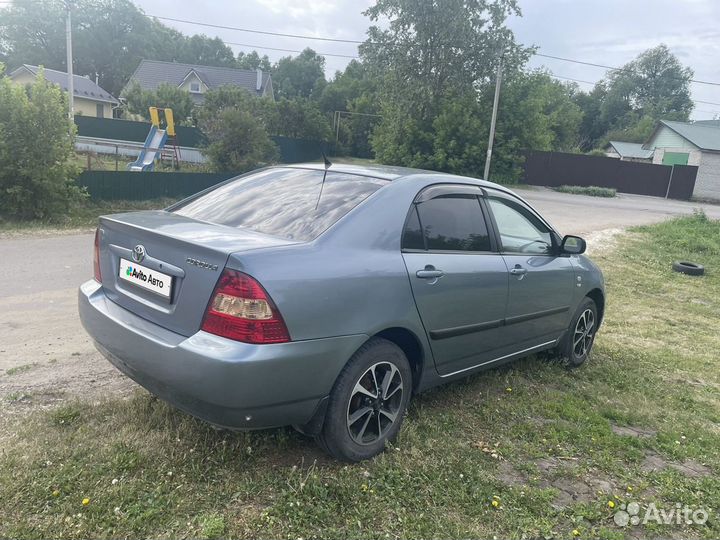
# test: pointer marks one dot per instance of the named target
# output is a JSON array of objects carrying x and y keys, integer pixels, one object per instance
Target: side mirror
[{"x": 573, "y": 245}]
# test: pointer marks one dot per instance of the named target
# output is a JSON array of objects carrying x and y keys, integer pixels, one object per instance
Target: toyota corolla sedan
[{"x": 324, "y": 297}]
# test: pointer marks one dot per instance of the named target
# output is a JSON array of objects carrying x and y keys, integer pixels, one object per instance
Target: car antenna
[{"x": 328, "y": 164}]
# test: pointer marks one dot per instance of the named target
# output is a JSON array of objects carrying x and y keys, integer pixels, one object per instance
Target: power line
[
  {"x": 287, "y": 50},
  {"x": 279, "y": 34},
  {"x": 611, "y": 68},
  {"x": 570, "y": 79}
]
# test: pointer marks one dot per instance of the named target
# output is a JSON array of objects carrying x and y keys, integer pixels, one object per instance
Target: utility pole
[
  {"x": 498, "y": 83},
  {"x": 68, "y": 46}
]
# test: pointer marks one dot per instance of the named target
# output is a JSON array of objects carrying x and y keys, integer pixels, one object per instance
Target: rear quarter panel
[{"x": 350, "y": 280}]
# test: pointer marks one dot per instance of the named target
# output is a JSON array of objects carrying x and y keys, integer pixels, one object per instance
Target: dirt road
[{"x": 45, "y": 355}]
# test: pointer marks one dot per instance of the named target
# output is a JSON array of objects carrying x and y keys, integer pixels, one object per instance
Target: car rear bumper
[{"x": 225, "y": 382}]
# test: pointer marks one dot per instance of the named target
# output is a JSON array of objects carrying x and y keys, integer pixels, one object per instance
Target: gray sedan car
[{"x": 324, "y": 297}]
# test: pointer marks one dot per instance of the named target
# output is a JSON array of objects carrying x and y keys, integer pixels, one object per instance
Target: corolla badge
[
  {"x": 201, "y": 264},
  {"x": 138, "y": 253}
]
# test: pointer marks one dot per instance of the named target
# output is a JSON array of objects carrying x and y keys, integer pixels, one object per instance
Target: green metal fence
[
  {"x": 136, "y": 186},
  {"x": 291, "y": 150},
  {"x": 129, "y": 130}
]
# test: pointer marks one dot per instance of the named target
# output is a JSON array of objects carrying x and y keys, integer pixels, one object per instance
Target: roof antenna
[{"x": 328, "y": 164}]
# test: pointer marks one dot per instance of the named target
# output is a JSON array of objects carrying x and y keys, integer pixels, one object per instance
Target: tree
[
  {"x": 355, "y": 91},
  {"x": 654, "y": 84},
  {"x": 110, "y": 37},
  {"x": 37, "y": 178},
  {"x": 592, "y": 126},
  {"x": 236, "y": 141},
  {"x": 431, "y": 47},
  {"x": 300, "y": 76},
  {"x": 431, "y": 53},
  {"x": 253, "y": 60},
  {"x": 165, "y": 95},
  {"x": 535, "y": 112},
  {"x": 206, "y": 51},
  {"x": 300, "y": 118},
  {"x": 630, "y": 101}
]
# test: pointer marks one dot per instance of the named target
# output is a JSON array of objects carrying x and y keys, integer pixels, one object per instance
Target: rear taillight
[
  {"x": 240, "y": 309},
  {"x": 96, "y": 257}
]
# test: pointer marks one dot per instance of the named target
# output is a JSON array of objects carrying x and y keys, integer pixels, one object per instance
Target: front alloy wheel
[
  {"x": 584, "y": 333},
  {"x": 581, "y": 335}
]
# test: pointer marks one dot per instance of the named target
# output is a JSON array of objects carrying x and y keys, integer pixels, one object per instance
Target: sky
[{"x": 608, "y": 32}]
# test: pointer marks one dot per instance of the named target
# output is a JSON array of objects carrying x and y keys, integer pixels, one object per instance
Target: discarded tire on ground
[{"x": 689, "y": 268}]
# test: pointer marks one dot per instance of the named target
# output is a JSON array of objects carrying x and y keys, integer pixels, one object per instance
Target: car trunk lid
[{"x": 169, "y": 264}]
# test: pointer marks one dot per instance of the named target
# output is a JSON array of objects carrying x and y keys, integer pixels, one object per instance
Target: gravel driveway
[{"x": 45, "y": 356}]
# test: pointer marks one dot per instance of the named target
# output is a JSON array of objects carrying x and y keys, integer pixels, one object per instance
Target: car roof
[{"x": 391, "y": 172}]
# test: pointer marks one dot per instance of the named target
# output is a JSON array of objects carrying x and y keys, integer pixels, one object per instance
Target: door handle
[
  {"x": 430, "y": 272},
  {"x": 518, "y": 270}
]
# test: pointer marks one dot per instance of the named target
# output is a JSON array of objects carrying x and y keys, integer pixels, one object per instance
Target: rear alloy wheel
[
  {"x": 368, "y": 402},
  {"x": 581, "y": 334}
]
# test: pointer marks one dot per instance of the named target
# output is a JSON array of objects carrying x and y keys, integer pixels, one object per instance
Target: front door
[
  {"x": 459, "y": 281},
  {"x": 541, "y": 284}
]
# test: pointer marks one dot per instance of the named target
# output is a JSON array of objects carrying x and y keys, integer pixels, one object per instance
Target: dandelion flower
[
  {"x": 576, "y": 532},
  {"x": 56, "y": 493},
  {"x": 85, "y": 501},
  {"x": 508, "y": 389},
  {"x": 611, "y": 504},
  {"x": 495, "y": 503}
]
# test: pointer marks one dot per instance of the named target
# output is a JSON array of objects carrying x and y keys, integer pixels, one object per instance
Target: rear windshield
[{"x": 284, "y": 202}]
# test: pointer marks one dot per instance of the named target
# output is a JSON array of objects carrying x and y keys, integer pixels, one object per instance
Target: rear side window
[
  {"x": 285, "y": 202},
  {"x": 448, "y": 223}
]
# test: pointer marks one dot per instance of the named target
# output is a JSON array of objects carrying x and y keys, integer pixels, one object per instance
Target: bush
[
  {"x": 237, "y": 141},
  {"x": 37, "y": 178},
  {"x": 166, "y": 95},
  {"x": 593, "y": 191}
]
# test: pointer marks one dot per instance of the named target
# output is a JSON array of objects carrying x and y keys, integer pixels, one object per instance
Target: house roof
[
  {"x": 704, "y": 135},
  {"x": 715, "y": 123},
  {"x": 83, "y": 87},
  {"x": 151, "y": 73},
  {"x": 631, "y": 150}
]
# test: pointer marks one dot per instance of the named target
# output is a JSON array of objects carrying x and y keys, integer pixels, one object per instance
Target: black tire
[
  {"x": 689, "y": 268},
  {"x": 367, "y": 435},
  {"x": 572, "y": 351}
]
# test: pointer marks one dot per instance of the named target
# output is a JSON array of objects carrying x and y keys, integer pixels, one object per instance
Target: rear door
[
  {"x": 541, "y": 282},
  {"x": 459, "y": 280}
]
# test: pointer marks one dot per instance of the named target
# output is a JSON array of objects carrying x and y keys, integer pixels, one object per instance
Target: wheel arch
[
  {"x": 597, "y": 296},
  {"x": 410, "y": 345}
]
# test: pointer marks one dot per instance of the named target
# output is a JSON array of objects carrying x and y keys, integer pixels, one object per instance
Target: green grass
[
  {"x": 83, "y": 215},
  {"x": 512, "y": 435},
  {"x": 593, "y": 191},
  {"x": 20, "y": 369}
]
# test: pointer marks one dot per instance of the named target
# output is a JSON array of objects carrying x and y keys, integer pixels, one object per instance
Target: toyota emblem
[{"x": 138, "y": 253}]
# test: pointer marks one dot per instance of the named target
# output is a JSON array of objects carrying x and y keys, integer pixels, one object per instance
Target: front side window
[
  {"x": 447, "y": 223},
  {"x": 520, "y": 231},
  {"x": 286, "y": 202},
  {"x": 195, "y": 87}
]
